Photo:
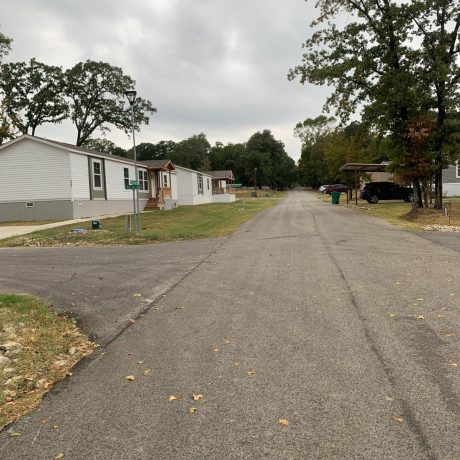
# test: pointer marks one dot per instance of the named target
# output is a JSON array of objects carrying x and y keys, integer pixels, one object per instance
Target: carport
[{"x": 356, "y": 168}]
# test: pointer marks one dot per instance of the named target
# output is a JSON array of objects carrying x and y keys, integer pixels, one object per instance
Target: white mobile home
[
  {"x": 193, "y": 187},
  {"x": 42, "y": 179}
]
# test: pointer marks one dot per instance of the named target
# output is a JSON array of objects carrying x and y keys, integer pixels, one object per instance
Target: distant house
[
  {"x": 221, "y": 180},
  {"x": 41, "y": 179},
  {"x": 195, "y": 187},
  {"x": 451, "y": 180}
]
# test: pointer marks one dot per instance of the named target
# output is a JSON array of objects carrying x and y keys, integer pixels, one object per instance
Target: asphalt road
[{"x": 337, "y": 322}]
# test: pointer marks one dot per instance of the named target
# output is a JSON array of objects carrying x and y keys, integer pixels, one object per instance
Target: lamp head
[{"x": 131, "y": 96}]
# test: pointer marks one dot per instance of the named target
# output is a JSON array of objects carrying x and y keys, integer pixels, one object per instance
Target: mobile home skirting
[{"x": 64, "y": 209}]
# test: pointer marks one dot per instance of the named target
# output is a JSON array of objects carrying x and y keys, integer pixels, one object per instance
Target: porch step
[{"x": 151, "y": 205}]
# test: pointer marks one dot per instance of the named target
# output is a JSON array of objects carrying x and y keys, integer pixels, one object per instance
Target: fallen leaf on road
[
  {"x": 55, "y": 427},
  {"x": 392, "y": 315},
  {"x": 140, "y": 362},
  {"x": 172, "y": 398},
  {"x": 132, "y": 320},
  {"x": 451, "y": 295},
  {"x": 398, "y": 419},
  {"x": 59, "y": 456},
  {"x": 216, "y": 349},
  {"x": 147, "y": 372},
  {"x": 283, "y": 422},
  {"x": 449, "y": 334},
  {"x": 192, "y": 410},
  {"x": 453, "y": 364},
  {"x": 420, "y": 300},
  {"x": 397, "y": 283},
  {"x": 129, "y": 354},
  {"x": 197, "y": 397},
  {"x": 440, "y": 316},
  {"x": 420, "y": 317},
  {"x": 237, "y": 364},
  {"x": 131, "y": 378},
  {"x": 137, "y": 295},
  {"x": 251, "y": 373},
  {"x": 15, "y": 434}
]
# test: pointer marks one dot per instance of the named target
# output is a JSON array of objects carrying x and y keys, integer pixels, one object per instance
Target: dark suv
[{"x": 375, "y": 191}]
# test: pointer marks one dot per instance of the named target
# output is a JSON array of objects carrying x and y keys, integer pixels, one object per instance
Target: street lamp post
[{"x": 131, "y": 96}]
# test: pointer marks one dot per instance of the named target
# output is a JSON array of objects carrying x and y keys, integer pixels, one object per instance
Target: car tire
[{"x": 373, "y": 199}]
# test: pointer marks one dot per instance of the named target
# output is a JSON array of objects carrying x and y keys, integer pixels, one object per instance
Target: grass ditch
[
  {"x": 182, "y": 223},
  {"x": 38, "y": 347}
]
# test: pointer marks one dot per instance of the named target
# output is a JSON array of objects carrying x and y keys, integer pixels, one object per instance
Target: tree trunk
[
  {"x": 438, "y": 187},
  {"x": 418, "y": 202}
]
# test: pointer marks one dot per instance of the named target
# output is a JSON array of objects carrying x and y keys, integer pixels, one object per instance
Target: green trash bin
[{"x": 335, "y": 197}]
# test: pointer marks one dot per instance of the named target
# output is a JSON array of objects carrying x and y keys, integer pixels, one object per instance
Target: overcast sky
[{"x": 212, "y": 66}]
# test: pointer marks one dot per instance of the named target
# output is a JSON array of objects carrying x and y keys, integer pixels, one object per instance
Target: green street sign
[{"x": 134, "y": 184}]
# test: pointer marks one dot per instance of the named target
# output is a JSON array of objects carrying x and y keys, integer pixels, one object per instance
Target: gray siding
[
  {"x": 41, "y": 210},
  {"x": 449, "y": 175}
]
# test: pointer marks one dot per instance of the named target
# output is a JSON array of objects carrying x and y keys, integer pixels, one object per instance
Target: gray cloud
[{"x": 211, "y": 66}]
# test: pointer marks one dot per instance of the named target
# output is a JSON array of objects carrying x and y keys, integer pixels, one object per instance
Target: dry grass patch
[
  {"x": 37, "y": 348},
  {"x": 400, "y": 213}
]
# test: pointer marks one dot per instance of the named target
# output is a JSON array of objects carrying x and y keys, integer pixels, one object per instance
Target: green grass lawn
[
  {"x": 182, "y": 223},
  {"x": 42, "y": 347}
]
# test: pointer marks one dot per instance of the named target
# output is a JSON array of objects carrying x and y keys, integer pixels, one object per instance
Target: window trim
[
  {"x": 165, "y": 180},
  {"x": 143, "y": 180},
  {"x": 457, "y": 169},
  {"x": 200, "y": 184},
  {"x": 93, "y": 174}
]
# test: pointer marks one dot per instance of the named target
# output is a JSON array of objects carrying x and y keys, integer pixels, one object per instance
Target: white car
[{"x": 322, "y": 188}]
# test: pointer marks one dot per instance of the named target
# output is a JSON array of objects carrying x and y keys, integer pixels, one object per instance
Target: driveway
[
  {"x": 340, "y": 324},
  {"x": 103, "y": 288}
]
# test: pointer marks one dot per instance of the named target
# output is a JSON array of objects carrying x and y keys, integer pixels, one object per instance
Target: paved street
[{"x": 341, "y": 324}]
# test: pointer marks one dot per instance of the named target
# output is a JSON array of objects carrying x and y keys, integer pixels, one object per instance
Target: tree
[
  {"x": 97, "y": 98},
  {"x": 32, "y": 94},
  {"x": 274, "y": 166},
  {"x": 376, "y": 65},
  {"x": 5, "y": 46},
  {"x": 437, "y": 24},
  {"x": 311, "y": 130},
  {"x": 192, "y": 153},
  {"x": 106, "y": 146},
  {"x": 228, "y": 157},
  {"x": 148, "y": 151}
]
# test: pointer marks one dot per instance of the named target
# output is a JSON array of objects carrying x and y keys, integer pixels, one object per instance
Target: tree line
[{"x": 262, "y": 158}]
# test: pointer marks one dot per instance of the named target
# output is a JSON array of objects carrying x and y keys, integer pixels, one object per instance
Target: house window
[
  {"x": 126, "y": 176},
  {"x": 143, "y": 180},
  {"x": 457, "y": 170},
  {"x": 165, "y": 180},
  {"x": 200, "y": 184},
  {"x": 97, "y": 175}
]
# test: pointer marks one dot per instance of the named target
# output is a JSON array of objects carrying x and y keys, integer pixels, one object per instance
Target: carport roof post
[{"x": 361, "y": 167}]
